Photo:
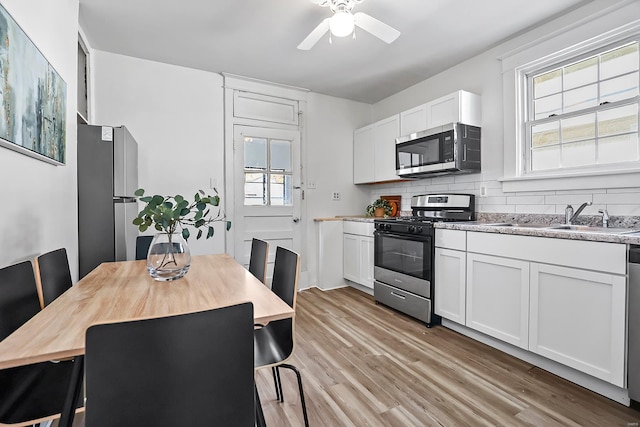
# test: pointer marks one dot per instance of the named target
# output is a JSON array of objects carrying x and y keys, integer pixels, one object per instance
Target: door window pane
[
  {"x": 255, "y": 153},
  {"x": 255, "y": 189},
  {"x": 281, "y": 155},
  {"x": 281, "y": 188}
]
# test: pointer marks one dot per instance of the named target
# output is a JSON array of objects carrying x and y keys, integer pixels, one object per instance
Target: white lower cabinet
[
  {"x": 450, "y": 284},
  {"x": 358, "y": 252},
  {"x": 351, "y": 264},
  {"x": 578, "y": 319},
  {"x": 563, "y": 299},
  {"x": 498, "y": 298}
]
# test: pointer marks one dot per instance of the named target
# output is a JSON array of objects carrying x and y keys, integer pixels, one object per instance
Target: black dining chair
[
  {"x": 259, "y": 258},
  {"x": 161, "y": 372},
  {"x": 142, "y": 246},
  {"x": 32, "y": 393},
  {"x": 274, "y": 343},
  {"x": 53, "y": 276}
]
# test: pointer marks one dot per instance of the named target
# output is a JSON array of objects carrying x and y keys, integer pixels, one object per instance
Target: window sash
[{"x": 529, "y": 104}]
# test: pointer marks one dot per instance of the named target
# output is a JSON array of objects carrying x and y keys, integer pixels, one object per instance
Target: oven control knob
[
  {"x": 387, "y": 227},
  {"x": 412, "y": 229},
  {"x": 419, "y": 230}
]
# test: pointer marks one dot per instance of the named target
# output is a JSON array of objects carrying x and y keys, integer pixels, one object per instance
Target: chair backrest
[
  {"x": 142, "y": 246},
  {"x": 285, "y": 275},
  {"x": 285, "y": 284},
  {"x": 189, "y": 369},
  {"x": 53, "y": 277},
  {"x": 259, "y": 259},
  {"x": 18, "y": 297}
]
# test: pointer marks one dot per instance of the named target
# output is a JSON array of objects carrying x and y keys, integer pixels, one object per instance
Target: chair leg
[
  {"x": 279, "y": 385},
  {"x": 260, "y": 422},
  {"x": 304, "y": 405},
  {"x": 276, "y": 380}
]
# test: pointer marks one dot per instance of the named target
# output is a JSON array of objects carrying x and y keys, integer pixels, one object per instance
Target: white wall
[
  {"x": 329, "y": 164},
  {"x": 39, "y": 209},
  {"x": 483, "y": 75},
  {"x": 176, "y": 116}
]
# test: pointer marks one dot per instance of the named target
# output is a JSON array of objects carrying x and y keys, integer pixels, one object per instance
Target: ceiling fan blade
[
  {"x": 315, "y": 35},
  {"x": 379, "y": 29}
]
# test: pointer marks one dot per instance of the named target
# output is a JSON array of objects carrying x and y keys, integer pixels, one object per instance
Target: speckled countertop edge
[{"x": 484, "y": 227}]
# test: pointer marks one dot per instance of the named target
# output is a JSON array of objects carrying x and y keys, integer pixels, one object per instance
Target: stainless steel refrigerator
[{"x": 107, "y": 180}]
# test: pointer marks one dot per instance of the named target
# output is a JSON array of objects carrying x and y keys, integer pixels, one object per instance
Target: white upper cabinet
[
  {"x": 374, "y": 146},
  {"x": 363, "y": 155},
  {"x": 385, "y": 133},
  {"x": 374, "y": 151},
  {"x": 413, "y": 120},
  {"x": 460, "y": 106}
]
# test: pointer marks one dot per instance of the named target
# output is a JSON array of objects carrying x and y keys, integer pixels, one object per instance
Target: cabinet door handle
[{"x": 398, "y": 295}]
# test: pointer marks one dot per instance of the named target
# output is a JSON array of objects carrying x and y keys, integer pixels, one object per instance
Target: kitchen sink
[{"x": 589, "y": 229}]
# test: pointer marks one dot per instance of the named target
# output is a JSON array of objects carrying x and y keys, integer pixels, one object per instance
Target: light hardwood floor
[{"x": 366, "y": 365}]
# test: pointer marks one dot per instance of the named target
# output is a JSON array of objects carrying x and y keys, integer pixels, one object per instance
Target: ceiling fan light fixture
[{"x": 341, "y": 23}]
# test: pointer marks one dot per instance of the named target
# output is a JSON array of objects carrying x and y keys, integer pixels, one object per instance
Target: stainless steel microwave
[{"x": 452, "y": 148}]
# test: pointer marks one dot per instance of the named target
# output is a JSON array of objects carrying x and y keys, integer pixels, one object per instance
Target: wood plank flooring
[{"x": 366, "y": 365}]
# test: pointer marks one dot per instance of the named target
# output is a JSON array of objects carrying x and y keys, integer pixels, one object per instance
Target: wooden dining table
[{"x": 123, "y": 291}]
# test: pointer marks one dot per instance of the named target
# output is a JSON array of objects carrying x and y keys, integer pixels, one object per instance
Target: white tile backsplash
[{"x": 618, "y": 201}]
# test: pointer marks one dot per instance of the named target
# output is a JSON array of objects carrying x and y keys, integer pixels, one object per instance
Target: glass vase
[{"x": 169, "y": 257}]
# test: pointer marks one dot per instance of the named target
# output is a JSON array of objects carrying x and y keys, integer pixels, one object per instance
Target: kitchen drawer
[
  {"x": 451, "y": 239},
  {"x": 596, "y": 256},
  {"x": 358, "y": 227},
  {"x": 413, "y": 305}
]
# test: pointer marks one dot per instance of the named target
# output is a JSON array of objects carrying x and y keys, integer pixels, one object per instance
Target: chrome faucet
[
  {"x": 605, "y": 217},
  {"x": 570, "y": 216}
]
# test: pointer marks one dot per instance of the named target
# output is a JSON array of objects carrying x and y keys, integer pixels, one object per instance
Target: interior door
[{"x": 267, "y": 190}]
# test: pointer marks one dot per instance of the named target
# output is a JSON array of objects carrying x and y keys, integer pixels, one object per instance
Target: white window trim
[{"x": 580, "y": 40}]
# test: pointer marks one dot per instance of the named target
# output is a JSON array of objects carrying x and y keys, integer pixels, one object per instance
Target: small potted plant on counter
[{"x": 379, "y": 208}]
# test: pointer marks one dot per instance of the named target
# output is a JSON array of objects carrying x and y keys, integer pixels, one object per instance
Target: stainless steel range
[{"x": 403, "y": 253}]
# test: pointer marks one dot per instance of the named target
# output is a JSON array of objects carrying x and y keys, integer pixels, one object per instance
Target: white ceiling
[{"x": 258, "y": 38}]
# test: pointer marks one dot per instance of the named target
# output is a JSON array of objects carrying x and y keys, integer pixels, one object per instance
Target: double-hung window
[{"x": 583, "y": 113}]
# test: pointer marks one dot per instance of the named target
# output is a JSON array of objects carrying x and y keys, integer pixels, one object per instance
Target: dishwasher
[{"x": 634, "y": 323}]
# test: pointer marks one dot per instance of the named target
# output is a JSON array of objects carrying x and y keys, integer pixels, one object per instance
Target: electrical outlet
[
  {"x": 311, "y": 185},
  {"x": 483, "y": 191},
  {"x": 335, "y": 195}
]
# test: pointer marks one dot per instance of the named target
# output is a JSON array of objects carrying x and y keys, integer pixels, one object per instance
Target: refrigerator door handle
[{"x": 124, "y": 200}]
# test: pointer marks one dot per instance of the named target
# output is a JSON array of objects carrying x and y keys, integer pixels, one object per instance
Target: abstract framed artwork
[{"x": 34, "y": 97}]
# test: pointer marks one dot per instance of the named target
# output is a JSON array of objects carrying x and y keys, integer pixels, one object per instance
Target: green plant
[
  {"x": 166, "y": 213},
  {"x": 380, "y": 203}
]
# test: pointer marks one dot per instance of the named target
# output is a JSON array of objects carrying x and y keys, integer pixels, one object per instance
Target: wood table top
[{"x": 121, "y": 291}]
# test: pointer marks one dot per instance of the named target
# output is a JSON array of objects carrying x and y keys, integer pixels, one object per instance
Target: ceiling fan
[{"x": 343, "y": 23}]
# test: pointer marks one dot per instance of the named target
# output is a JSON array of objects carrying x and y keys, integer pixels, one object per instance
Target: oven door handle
[{"x": 414, "y": 237}]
